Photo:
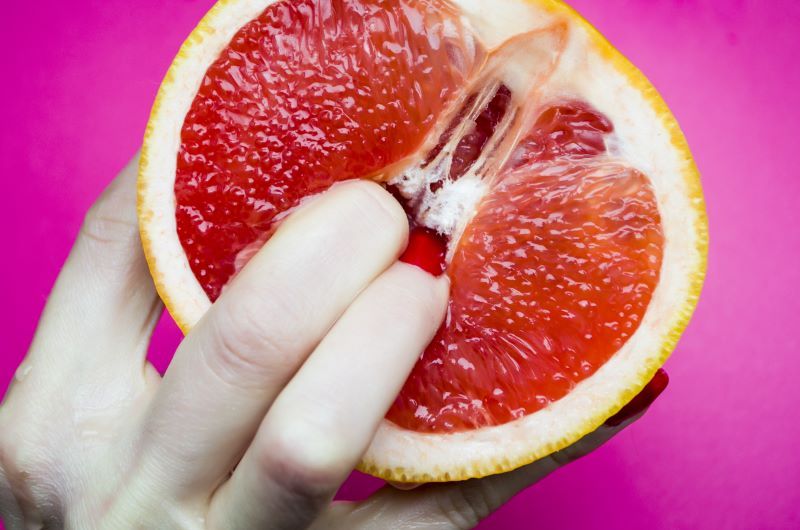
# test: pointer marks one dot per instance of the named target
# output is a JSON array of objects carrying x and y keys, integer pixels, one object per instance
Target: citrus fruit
[{"x": 539, "y": 170}]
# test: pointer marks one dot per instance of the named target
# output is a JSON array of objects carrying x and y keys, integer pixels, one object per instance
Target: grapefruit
[{"x": 539, "y": 169}]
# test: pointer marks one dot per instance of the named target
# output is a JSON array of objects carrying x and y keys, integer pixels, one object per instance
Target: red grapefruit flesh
[
  {"x": 549, "y": 278},
  {"x": 309, "y": 93}
]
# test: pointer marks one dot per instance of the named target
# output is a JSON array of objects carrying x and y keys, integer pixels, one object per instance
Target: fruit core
[{"x": 553, "y": 245}]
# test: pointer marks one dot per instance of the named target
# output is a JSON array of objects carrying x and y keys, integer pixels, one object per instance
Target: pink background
[{"x": 720, "y": 450}]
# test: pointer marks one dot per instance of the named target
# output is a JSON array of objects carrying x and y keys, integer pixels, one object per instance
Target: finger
[
  {"x": 104, "y": 301},
  {"x": 10, "y": 506},
  {"x": 643, "y": 399},
  {"x": 455, "y": 506},
  {"x": 234, "y": 363},
  {"x": 404, "y": 486},
  {"x": 463, "y": 505},
  {"x": 323, "y": 421}
]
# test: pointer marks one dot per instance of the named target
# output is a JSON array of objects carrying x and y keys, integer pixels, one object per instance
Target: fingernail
[
  {"x": 642, "y": 401},
  {"x": 426, "y": 249}
]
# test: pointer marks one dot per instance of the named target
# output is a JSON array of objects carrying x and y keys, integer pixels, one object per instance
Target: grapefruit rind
[{"x": 650, "y": 140}]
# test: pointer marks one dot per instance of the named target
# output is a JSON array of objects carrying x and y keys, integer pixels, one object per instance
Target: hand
[{"x": 269, "y": 401}]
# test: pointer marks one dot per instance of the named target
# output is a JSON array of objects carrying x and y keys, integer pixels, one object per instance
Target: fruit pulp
[
  {"x": 551, "y": 275},
  {"x": 309, "y": 93},
  {"x": 549, "y": 279}
]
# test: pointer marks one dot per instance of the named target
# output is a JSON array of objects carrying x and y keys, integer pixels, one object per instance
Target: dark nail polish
[{"x": 643, "y": 399}]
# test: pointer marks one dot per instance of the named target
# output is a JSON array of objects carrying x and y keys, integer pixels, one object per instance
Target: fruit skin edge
[{"x": 669, "y": 340}]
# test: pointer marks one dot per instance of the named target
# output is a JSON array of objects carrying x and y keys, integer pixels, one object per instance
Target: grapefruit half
[{"x": 539, "y": 169}]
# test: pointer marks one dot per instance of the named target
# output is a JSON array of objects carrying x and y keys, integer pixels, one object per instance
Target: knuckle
[
  {"x": 253, "y": 313},
  {"x": 301, "y": 464},
  {"x": 103, "y": 225},
  {"x": 479, "y": 498},
  {"x": 29, "y": 470},
  {"x": 464, "y": 507},
  {"x": 246, "y": 348},
  {"x": 259, "y": 329}
]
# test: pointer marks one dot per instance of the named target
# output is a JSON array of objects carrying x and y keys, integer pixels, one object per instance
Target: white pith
[{"x": 642, "y": 138}]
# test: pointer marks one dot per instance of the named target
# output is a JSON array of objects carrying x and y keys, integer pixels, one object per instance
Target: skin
[{"x": 261, "y": 416}]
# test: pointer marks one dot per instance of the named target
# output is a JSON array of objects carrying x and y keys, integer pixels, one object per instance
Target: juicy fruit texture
[
  {"x": 552, "y": 273},
  {"x": 471, "y": 145},
  {"x": 549, "y": 279},
  {"x": 310, "y": 93},
  {"x": 569, "y": 129}
]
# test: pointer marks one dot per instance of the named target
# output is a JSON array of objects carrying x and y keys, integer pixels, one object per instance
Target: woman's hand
[{"x": 269, "y": 402}]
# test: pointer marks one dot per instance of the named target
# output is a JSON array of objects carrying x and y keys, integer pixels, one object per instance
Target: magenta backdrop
[{"x": 720, "y": 450}]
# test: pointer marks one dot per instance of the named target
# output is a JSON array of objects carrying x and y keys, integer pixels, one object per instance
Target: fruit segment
[
  {"x": 549, "y": 280},
  {"x": 569, "y": 129},
  {"x": 309, "y": 93}
]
